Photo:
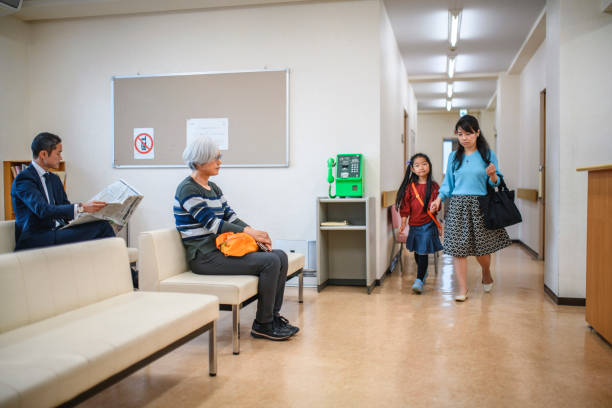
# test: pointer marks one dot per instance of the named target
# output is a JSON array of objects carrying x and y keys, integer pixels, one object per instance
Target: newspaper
[{"x": 121, "y": 198}]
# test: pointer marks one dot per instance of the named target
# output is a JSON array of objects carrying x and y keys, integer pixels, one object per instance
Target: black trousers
[
  {"x": 270, "y": 267},
  {"x": 78, "y": 233}
]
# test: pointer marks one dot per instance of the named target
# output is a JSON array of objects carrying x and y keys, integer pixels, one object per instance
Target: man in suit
[{"x": 41, "y": 206}]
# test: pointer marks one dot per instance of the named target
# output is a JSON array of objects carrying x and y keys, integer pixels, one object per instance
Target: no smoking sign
[{"x": 144, "y": 143}]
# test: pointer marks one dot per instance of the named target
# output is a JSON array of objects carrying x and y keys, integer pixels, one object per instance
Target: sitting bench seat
[
  {"x": 7, "y": 240},
  {"x": 70, "y": 320},
  {"x": 163, "y": 267}
]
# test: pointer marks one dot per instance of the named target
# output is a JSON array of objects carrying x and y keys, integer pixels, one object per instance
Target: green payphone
[{"x": 349, "y": 175}]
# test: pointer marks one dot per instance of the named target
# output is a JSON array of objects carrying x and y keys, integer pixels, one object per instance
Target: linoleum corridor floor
[{"x": 512, "y": 347}]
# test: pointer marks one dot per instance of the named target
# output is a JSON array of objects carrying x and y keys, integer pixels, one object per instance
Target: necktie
[{"x": 47, "y": 176}]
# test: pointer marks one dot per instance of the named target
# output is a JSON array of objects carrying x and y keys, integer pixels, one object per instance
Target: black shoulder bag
[{"x": 498, "y": 208}]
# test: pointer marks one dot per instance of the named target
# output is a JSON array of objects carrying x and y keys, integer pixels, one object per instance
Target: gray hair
[{"x": 199, "y": 150}]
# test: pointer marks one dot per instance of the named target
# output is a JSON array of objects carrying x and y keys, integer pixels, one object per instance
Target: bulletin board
[{"x": 248, "y": 112}]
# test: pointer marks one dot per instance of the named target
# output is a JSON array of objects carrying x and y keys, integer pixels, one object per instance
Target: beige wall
[
  {"x": 578, "y": 87},
  {"x": 507, "y": 125},
  {"x": 433, "y": 129},
  {"x": 14, "y": 38},
  {"x": 333, "y": 106},
  {"x": 396, "y": 95},
  {"x": 532, "y": 82},
  {"x": 553, "y": 141},
  {"x": 584, "y": 127}
]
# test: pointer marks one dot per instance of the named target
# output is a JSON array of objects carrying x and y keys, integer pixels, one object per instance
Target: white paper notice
[
  {"x": 215, "y": 128},
  {"x": 144, "y": 143}
]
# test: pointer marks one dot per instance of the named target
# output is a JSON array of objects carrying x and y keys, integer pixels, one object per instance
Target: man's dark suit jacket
[{"x": 34, "y": 216}]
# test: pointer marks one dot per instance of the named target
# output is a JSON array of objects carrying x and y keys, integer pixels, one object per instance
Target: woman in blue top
[{"x": 468, "y": 171}]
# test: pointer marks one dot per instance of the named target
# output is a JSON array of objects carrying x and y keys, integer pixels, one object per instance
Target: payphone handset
[{"x": 349, "y": 175}]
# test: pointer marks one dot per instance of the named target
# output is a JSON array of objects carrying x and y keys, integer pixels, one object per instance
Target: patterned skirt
[{"x": 465, "y": 233}]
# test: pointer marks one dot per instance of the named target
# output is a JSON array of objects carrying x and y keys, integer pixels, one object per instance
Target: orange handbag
[{"x": 232, "y": 244}]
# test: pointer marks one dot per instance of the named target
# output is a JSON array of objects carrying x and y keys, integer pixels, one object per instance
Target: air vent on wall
[{"x": 9, "y": 6}]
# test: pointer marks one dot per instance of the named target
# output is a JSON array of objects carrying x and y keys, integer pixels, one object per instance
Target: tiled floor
[{"x": 512, "y": 347}]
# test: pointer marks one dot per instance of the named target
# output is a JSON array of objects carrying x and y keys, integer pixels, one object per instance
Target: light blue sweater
[{"x": 470, "y": 178}]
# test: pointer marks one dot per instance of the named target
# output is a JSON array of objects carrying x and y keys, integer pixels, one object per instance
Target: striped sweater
[{"x": 201, "y": 215}]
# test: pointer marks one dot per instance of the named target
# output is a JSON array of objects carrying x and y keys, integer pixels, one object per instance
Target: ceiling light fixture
[
  {"x": 449, "y": 90},
  {"x": 454, "y": 26},
  {"x": 449, "y": 105},
  {"x": 451, "y": 66}
]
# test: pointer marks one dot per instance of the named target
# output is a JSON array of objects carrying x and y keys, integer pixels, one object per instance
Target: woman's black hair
[
  {"x": 411, "y": 177},
  {"x": 470, "y": 124}
]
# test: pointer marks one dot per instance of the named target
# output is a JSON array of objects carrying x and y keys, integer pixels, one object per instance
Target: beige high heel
[{"x": 461, "y": 298}]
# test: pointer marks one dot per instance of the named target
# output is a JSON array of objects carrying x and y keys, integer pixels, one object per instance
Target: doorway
[
  {"x": 405, "y": 141},
  {"x": 542, "y": 175}
]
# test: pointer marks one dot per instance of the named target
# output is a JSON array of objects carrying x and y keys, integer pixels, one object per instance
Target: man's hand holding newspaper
[{"x": 119, "y": 199}]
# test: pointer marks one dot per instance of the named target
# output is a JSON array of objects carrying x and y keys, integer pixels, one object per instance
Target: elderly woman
[{"x": 201, "y": 213}]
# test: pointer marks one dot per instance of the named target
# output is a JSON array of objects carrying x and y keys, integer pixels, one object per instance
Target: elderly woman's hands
[{"x": 259, "y": 236}]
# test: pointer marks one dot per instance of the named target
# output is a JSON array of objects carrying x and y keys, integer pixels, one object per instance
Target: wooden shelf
[
  {"x": 9, "y": 176},
  {"x": 343, "y": 227},
  {"x": 346, "y": 254}
]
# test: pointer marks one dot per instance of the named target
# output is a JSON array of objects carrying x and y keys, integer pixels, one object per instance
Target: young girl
[
  {"x": 468, "y": 171},
  {"x": 414, "y": 197}
]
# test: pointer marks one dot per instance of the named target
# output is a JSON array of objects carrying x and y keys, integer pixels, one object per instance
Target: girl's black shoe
[{"x": 270, "y": 331}]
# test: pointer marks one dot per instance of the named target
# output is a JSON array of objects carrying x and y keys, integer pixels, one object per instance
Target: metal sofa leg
[
  {"x": 301, "y": 287},
  {"x": 236, "y": 328},
  {"x": 212, "y": 350}
]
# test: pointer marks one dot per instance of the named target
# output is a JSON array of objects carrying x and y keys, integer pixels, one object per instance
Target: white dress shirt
[{"x": 41, "y": 173}]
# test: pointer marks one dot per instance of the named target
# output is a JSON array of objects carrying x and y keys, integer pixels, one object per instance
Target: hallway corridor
[{"x": 510, "y": 348}]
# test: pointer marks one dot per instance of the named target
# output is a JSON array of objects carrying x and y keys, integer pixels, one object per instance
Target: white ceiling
[{"x": 492, "y": 32}]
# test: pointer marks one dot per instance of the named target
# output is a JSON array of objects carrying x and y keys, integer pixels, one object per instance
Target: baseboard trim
[
  {"x": 564, "y": 301},
  {"x": 526, "y": 247}
]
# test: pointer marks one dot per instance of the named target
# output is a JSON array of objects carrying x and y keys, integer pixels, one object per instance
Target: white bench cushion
[
  {"x": 230, "y": 289},
  {"x": 51, "y": 361},
  {"x": 163, "y": 267},
  {"x": 296, "y": 262}
]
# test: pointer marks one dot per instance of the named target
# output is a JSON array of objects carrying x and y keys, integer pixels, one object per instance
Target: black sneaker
[
  {"x": 280, "y": 321},
  {"x": 269, "y": 331}
]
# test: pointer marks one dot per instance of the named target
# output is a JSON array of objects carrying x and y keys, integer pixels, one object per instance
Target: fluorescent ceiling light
[
  {"x": 449, "y": 90},
  {"x": 449, "y": 105},
  {"x": 454, "y": 26},
  {"x": 451, "y": 66}
]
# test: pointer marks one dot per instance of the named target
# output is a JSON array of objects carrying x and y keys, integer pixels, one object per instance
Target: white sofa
[
  {"x": 7, "y": 240},
  {"x": 69, "y": 320},
  {"x": 163, "y": 267},
  {"x": 7, "y": 236}
]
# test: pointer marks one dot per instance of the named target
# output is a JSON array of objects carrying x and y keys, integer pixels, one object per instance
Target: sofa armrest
[{"x": 161, "y": 255}]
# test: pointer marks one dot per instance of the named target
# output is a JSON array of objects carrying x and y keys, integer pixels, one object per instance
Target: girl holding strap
[
  {"x": 415, "y": 194},
  {"x": 469, "y": 168}
]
